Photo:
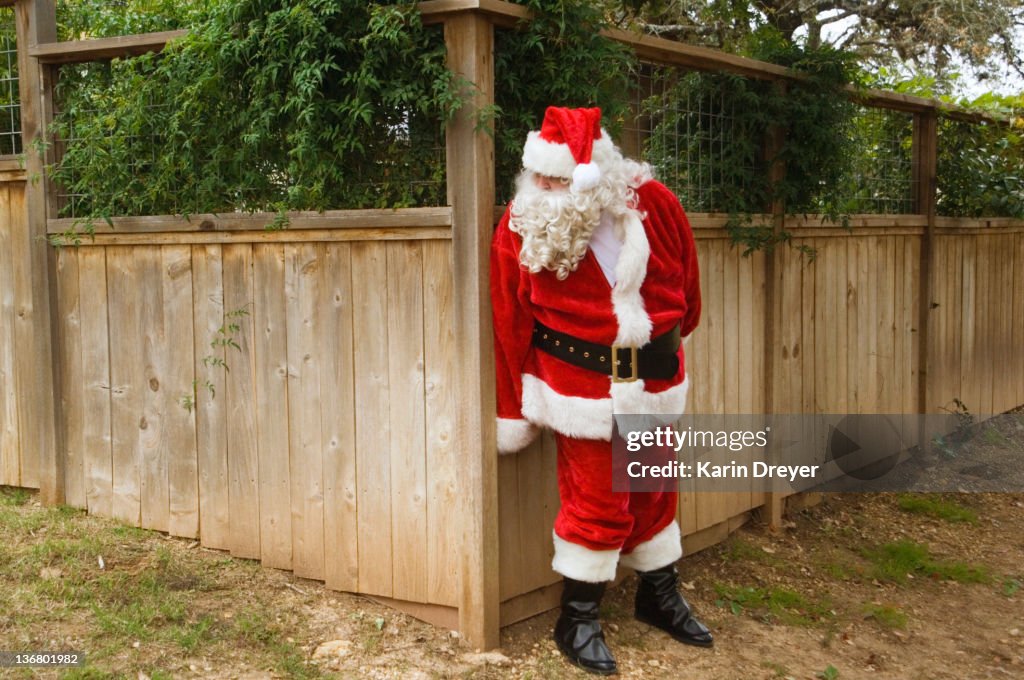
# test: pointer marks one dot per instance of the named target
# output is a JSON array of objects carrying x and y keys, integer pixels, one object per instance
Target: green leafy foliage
[
  {"x": 717, "y": 125},
  {"x": 559, "y": 58},
  {"x": 79, "y": 19},
  {"x": 980, "y": 169},
  {"x": 267, "y": 105}
]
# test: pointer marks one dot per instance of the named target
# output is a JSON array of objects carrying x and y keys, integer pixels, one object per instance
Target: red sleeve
[
  {"x": 513, "y": 331},
  {"x": 691, "y": 272}
]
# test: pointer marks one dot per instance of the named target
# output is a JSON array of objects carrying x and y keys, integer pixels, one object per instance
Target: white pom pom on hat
[
  {"x": 564, "y": 145},
  {"x": 586, "y": 176}
]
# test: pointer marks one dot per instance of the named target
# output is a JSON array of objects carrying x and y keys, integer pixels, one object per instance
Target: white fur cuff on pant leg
[
  {"x": 663, "y": 549},
  {"x": 583, "y": 564}
]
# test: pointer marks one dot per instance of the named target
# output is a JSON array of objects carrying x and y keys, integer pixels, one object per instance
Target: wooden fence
[{"x": 320, "y": 398}]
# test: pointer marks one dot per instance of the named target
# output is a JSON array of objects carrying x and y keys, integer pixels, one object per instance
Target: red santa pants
[{"x": 597, "y": 528}]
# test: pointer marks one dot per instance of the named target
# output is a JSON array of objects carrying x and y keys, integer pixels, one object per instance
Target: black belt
[{"x": 625, "y": 363}]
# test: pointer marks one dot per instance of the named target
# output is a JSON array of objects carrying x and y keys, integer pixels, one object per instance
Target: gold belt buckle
[{"x": 634, "y": 364}]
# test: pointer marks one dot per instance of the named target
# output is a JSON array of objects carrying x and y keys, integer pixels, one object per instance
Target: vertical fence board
[
  {"x": 1007, "y": 362},
  {"x": 127, "y": 376},
  {"x": 97, "y": 423},
  {"x": 211, "y": 410},
  {"x": 901, "y": 381},
  {"x": 733, "y": 365},
  {"x": 408, "y": 460},
  {"x": 948, "y": 347},
  {"x": 10, "y": 445},
  {"x": 808, "y": 344},
  {"x": 270, "y": 345},
  {"x": 1003, "y": 360},
  {"x": 302, "y": 291},
  {"x": 338, "y": 420},
  {"x": 969, "y": 388},
  {"x": 70, "y": 353},
  {"x": 510, "y": 538},
  {"x": 841, "y": 376},
  {"x": 535, "y": 520},
  {"x": 788, "y": 378},
  {"x": 440, "y": 405},
  {"x": 152, "y": 449},
  {"x": 714, "y": 507},
  {"x": 991, "y": 311},
  {"x": 26, "y": 340},
  {"x": 373, "y": 429},
  {"x": 856, "y": 296},
  {"x": 826, "y": 327},
  {"x": 179, "y": 420},
  {"x": 887, "y": 390},
  {"x": 939, "y": 306},
  {"x": 912, "y": 298},
  {"x": 953, "y": 333},
  {"x": 240, "y": 400},
  {"x": 755, "y": 381},
  {"x": 984, "y": 326}
]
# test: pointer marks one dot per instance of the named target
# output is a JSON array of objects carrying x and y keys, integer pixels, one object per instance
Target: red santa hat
[{"x": 565, "y": 144}]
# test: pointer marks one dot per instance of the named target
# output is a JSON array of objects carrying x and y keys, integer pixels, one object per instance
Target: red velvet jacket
[{"x": 657, "y": 286}]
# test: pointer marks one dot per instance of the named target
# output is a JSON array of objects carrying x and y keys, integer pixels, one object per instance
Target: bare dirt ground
[{"x": 901, "y": 587}]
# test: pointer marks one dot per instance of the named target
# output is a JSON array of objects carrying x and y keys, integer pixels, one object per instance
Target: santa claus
[{"x": 594, "y": 284}]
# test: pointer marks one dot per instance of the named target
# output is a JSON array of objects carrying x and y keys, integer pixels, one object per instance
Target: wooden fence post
[
  {"x": 469, "y": 37},
  {"x": 925, "y": 159},
  {"x": 35, "y": 278}
]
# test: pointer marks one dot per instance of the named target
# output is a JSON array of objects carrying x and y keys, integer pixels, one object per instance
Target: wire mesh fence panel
[
  {"x": 10, "y": 104},
  {"x": 686, "y": 126},
  {"x": 879, "y": 178}
]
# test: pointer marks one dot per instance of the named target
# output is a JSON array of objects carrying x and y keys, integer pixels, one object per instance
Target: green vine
[
  {"x": 557, "y": 58},
  {"x": 710, "y": 131},
  {"x": 224, "y": 339},
  {"x": 980, "y": 169},
  {"x": 267, "y": 105}
]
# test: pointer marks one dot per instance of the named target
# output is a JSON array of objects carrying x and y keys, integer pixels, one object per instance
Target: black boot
[
  {"x": 578, "y": 632},
  {"x": 658, "y": 603}
]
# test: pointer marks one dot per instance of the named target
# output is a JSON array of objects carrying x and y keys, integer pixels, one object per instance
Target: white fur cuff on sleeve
[{"x": 514, "y": 434}]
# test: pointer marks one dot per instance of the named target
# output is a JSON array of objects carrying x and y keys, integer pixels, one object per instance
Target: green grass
[
  {"x": 886, "y": 616},
  {"x": 773, "y": 605},
  {"x": 737, "y": 549},
  {"x": 777, "y": 669},
  {"x": 995, "y": 437},
  {"x": 146, "y": 593},
  {"x": 11, "y": 496},
  {"x": 894, "y": 561},
  {"x": 933, "y": 506}
]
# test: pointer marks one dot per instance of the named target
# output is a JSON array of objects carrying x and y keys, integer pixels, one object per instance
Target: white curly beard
[{"x": 555, "y": 225}]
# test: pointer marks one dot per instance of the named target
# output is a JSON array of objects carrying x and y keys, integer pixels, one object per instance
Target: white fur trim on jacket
[
  {"x": 583, "y": 564},
  {"x": 663, "y": 549},
  {"x": 584, "y": 418},
  {"x": 553, "y": 159},
  {"x": 630, "y": 398},
  {"x": 572, "y": 416},
  {"x": 630, "y": 271},
  {"x": 515, "y": 434}
]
